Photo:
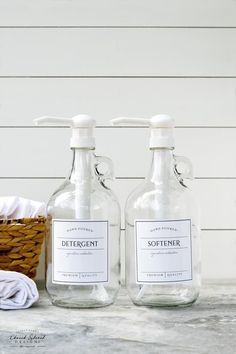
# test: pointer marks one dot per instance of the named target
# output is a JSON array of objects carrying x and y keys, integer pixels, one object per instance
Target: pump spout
[
  {"x": 48, "y": 120},
  {"x": 126, "y": 120}
]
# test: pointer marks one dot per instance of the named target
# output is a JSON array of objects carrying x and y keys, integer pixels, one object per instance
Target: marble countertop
[{"x": 207, "y": 327}]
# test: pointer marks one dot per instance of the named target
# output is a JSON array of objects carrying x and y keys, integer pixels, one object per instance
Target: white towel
[
  {"x": 17, "y": 208},
  {"x": 17, "y": 291}
]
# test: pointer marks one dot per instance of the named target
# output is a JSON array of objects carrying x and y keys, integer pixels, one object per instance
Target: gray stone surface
[{"x": 207, "y": 327}]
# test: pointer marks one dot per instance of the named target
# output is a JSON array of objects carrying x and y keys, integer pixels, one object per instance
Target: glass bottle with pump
[
  {"x": 82, "y": 247},
  {"x": 162, "y": 226}
]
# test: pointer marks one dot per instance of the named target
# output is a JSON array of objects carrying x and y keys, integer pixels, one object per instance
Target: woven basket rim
[{"x": 23, "y": 220}]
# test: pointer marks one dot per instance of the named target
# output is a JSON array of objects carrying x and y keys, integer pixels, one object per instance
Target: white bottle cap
[
  {"x": 162, "y": 132},
  {"x": 82, "y": 129}
]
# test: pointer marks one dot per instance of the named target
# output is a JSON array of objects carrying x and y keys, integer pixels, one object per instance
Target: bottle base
[
  {"x": 82, "y": 297},
  {"x": 163, "y": 304},
  {"x": 166, "y": 301},
  {"x": 174, "y": 295},
  {"x": 69, "y": 303}
]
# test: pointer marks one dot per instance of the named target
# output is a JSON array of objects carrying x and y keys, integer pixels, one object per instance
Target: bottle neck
[
  {"x": 162, "y": 165},
  {"x": 82, "y": 165},
  {"x": 82, "y": 176}
]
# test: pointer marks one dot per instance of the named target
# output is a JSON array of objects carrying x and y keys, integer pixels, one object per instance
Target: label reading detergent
[{"x": 79, "y": 251}]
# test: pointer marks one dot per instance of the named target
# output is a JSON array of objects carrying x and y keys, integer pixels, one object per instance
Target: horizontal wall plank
[
  {"x": 218, "y": 254},
  {"x": 33, "y": 152},
  {"x": 117, "y": 13},
  {"x": 217, "y": 198},
  {"x": 192, "y": 102},
  {"x": 215, "y": 264},
  {"x": 117, "y": 52}
]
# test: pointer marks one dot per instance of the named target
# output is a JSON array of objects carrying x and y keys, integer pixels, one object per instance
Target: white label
[
  {"x": 80, "y": 251},
  {"x": 163, "y": 251}
]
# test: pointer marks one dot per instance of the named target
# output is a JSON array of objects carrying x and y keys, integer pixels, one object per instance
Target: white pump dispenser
[
  {"x": 162, "y": 225},
  {"x": 82, "y": 250},
  {"x": 82, "y": 129},
  {"x": 82, "y": 138},
  {"x": 162, "y": 132}
]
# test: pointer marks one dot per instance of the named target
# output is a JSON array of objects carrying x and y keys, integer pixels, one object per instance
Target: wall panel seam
[
  {"x": 116, "y": 27},
  {"x": 117, "y": 178},
  {"x": 117, "y": 76},
  {"x": 118, "y": 127}
]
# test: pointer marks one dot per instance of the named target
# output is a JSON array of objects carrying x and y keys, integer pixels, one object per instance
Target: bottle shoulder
[
  {"x": 69, "y": 192},
  {"x": 154, "y": 202},
  {"x": 147, "y": 191}
]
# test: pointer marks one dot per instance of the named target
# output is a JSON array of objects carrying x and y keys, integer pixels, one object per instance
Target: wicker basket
[{"x": 20, "y": 244}]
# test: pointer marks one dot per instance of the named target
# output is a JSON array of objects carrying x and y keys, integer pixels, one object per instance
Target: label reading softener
[
  {"x": 79, "y": 251},
  {"x": 163, "y": 251}
]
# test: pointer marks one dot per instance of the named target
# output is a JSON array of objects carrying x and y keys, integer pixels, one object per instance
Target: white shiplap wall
[{"x": 110, "y": 58}]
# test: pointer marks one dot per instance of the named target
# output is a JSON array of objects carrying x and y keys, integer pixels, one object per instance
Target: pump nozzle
[
  {"x": 47, "y": 120},
  {"x": 82, "y": 129},
  {"x": 127, "y": 120},
  {"x": 161, "y": 129}
]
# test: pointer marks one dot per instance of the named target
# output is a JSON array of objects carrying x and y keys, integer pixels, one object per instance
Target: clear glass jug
[
  {"x": 163, "y": 236},
  {"x": 84, "y": 203}
]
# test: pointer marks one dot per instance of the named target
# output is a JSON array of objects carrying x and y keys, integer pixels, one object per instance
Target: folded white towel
[
  {"x": 17, "y": 291},
  {"x": 17, "y": 208}
]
